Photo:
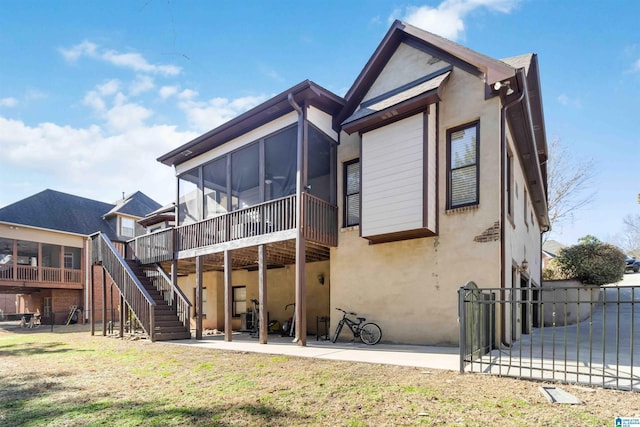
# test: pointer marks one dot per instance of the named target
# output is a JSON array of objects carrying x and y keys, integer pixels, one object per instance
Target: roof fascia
[
  {"x": 304, "y": 92},
  {"x": 50, "y": 230}
]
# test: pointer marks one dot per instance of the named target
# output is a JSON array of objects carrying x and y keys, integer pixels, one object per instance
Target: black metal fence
[{"x": 566, "y": 333}]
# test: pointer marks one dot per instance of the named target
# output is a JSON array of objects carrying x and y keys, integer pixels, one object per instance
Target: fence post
[{"x": 461, "y": 323}]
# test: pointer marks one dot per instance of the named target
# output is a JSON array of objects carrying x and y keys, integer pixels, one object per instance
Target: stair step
[
  {"x": 159, "y": 336},
  {"x": 165, "y": 329}
]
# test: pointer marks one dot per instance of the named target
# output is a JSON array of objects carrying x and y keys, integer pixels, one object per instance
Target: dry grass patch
[{"x": 73, "y": 379}]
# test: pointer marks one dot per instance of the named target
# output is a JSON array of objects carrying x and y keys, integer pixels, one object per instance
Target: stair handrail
[
  {"x": 178, "y": 300},
  {"x": 132, "y": 290}
]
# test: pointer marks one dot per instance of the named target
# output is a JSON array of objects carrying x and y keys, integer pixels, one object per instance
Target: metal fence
[{"x": 571, "y": 334}]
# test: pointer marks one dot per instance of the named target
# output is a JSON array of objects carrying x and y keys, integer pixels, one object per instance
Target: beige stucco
[
  {"x": 280, "y": 292},
  {"x": 410, "y": 287},
  {"x": 32, "y": 234}
]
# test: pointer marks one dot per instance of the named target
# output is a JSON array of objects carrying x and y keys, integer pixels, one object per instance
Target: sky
[{"x": 93, "y": 92}]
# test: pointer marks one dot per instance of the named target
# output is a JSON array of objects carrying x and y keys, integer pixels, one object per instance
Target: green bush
[{"x": 592, "y": 262}]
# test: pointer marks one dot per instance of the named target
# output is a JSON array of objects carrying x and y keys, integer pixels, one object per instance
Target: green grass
[{"x": 74, "y": 379}]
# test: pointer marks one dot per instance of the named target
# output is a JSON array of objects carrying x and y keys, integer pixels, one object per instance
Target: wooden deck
[{"x": 272, "y": 223}]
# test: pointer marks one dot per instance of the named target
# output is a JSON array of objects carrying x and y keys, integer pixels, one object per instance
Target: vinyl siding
[{"x": 392, "y": 177}]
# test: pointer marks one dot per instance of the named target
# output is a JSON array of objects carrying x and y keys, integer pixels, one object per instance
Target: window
[
  {"x": 127, "y": 227},
  {"x": 68, "y": 260},
  {"x": 47, "y": 307},
  {"x": 462, "y": 166},
  {"x": 239, "y": 301},
  {"x": 352, "y": 193}
]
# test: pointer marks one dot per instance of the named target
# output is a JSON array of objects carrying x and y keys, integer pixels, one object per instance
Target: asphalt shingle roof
[{"x": 55, "y": 210}]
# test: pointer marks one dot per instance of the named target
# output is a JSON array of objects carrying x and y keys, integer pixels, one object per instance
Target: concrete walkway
[{"x": 430, "y": 357}]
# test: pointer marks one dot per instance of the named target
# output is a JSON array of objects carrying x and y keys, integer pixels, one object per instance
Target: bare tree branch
[{"x": 569, "y": 183}]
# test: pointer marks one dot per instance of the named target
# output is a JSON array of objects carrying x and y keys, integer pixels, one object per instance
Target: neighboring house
[
  {"x": 429, "y": 173},
  {"x": 550, "y": 250},
  {"x": 45, "y": 247}
]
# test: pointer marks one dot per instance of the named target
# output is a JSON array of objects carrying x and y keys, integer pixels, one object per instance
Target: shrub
[
  {"x": 592, "y": 262},
  {"x": 553, "y": 272}
]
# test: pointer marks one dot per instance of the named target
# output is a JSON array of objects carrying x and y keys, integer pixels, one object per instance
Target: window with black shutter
[
  {"x": 463, "y": 166},
  {"x": 352, "y": 193}
]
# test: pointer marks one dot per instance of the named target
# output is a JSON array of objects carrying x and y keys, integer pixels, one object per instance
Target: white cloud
[
  {"x": 88, "y": 161},
  {"x": 140, "y": 85},
  {"x": 206, "y": 115},
  {"x": 131, "y": 60},
  {"x": 567, "y": 101},
  {"x": 447, "y": 19},
  {"x": 636, "y": 66},
  {"x": 8, "y": 102},
  {"x": 124, "y": 117},
  {"x": 168, "y": 91},
  {"x": 110, "y": 87}
]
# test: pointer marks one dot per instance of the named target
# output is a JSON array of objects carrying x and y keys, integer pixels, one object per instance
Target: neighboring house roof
[
  {"x": 137, "y": 204},
  {"x": 59, "y": 211},
  {"x": 552, "y": 247},
  {"x": 163, "y": 214}
]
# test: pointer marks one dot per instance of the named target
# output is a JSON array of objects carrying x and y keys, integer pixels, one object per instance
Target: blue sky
[{"x": 91, "y": 93}]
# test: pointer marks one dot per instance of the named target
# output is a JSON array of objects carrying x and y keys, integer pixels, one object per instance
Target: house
[
  {"x": 45, "y": 247},
  {"x": 430, "y": 172},
  {"x": 550, "y": 250}
]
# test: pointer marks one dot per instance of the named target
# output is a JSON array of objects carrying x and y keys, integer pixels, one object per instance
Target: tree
[
  {"x": 568, "y": 182},
  {"x": 592, "y": 262},
  {"x": 629, "y": 240}
]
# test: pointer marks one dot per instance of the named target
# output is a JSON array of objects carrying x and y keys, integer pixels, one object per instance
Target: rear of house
[{"x": 429, "y": 173}]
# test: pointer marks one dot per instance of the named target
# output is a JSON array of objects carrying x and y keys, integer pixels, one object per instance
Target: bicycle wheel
[
  {"x": 336, "y": 334},
  {"x": 370, "y": 333}
]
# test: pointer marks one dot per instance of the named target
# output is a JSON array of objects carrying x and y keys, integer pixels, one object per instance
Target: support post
[
  {"x": 104, "y": 302},
  {"x": 122, "y": 309},
  {"x": 227, "y": 296},
  {"x": 262, "y": 293},
  {"x": 91, "y": 300},
  {"x": 199, "y": 297},
  {"x": 174, "y": 283}
]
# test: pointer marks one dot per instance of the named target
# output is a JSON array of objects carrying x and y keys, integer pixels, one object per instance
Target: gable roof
[
  {"x": 457, "y": 55},
  {"x": 552, "y": 247},
  {"x": 59, "y": 211},
  {"x": 137, "y": 204}
]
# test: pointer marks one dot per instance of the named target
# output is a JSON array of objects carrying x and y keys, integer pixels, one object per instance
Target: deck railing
[
  {"x": 321, "y": 220},
  {"x": 154, "y": 247},
  {"x": 125, "y": 279},
  {"x": 28, "y": 273},
  {"x": 320, "y": 226},
  {"x": 171, "y": 294}
]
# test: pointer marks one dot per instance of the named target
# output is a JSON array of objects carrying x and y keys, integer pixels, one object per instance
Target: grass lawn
[{"x": 73, "y": 379}]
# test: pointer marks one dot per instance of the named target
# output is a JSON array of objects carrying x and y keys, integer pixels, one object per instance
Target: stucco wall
[
  {"x": 280, "y": 292},
  {"x": 410, "y": 287}
]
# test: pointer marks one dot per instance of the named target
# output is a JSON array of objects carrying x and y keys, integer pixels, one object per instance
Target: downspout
[
  {"x": 300, "y": 284},
  {"x": 503, "y": 160}
]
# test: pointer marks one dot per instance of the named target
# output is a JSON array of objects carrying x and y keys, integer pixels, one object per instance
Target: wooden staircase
[{"x": 167, "y": 326}]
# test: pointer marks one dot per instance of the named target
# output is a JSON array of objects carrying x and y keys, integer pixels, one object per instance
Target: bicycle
[
  {"x": 289, "y": 327},
  {"x": 255, "y": 326},
  {"x": 369, "y": 333}
]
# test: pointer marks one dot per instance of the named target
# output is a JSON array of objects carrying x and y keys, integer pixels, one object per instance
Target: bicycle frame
[{"x": 353, "y": 325}]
